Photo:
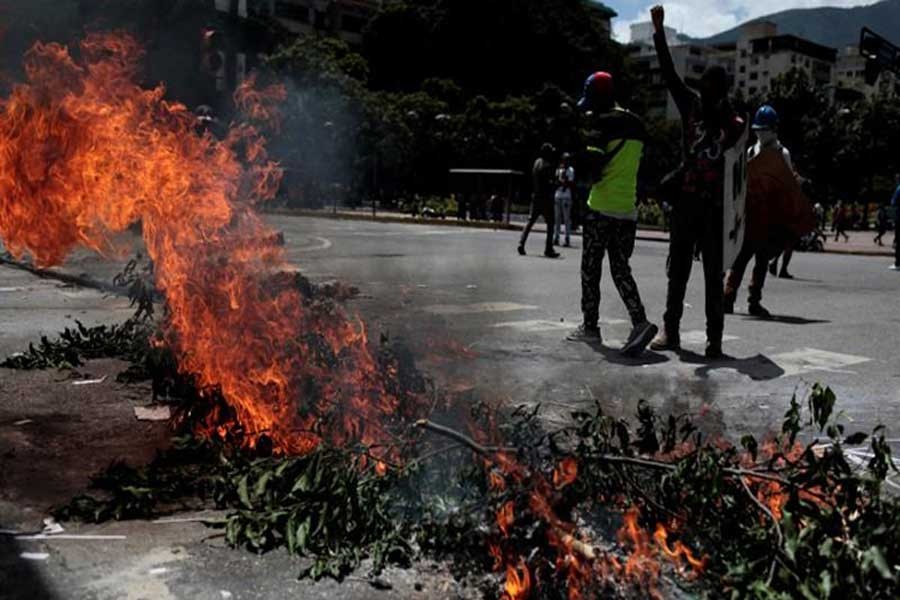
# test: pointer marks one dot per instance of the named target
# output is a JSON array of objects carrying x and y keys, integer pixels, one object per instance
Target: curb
[{"x": 452, "y": 222}]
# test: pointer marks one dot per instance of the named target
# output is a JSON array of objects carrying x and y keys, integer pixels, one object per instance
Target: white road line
[
  {"x": 808, "y": 360},
  {"x": 479, "y": 307},
  {"x": 535, "y": 326},
  {"x": 321, "y": 244}
]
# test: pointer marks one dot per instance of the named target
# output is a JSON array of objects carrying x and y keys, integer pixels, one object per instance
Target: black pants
[
  {"x": 541, "y": 208},
  {"x": 614, "y": 237},
  {"x": 762, "y": 256},
  {"x": 696, "y": 223},
  {"x": 897, "y": 240}
]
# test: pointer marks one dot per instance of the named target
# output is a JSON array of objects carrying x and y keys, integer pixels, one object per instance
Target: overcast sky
[{"x": 701, "y": 18}]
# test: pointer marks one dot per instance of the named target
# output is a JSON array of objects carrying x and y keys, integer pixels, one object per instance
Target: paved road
[
  {"x": 436, "y": 289},
  {"x": 837, "y": 323}
]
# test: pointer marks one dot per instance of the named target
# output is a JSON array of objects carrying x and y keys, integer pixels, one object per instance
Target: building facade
[
  {"x": 344, "y": 18},
  {"x": 763, "y": 55},
  {"x": 850, "y": 77}
]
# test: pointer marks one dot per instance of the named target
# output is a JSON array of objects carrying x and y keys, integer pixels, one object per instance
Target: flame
[
  {"x": 85, "y": 153},
  {"x": 506, "y": 517},
  {"x": 565, "y": 473},
  {"x": 518, "y": 582},
  {"x": 679, "y": 553},
  {"x": 641, "y": 564}
]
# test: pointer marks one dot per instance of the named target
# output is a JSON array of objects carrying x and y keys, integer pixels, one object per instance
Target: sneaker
[
  {"x": 521, "y": 250},
  {"x": 756, "y": 309},
  {"x": 773, "y": 268},
  {"x": 641, "y": 335},
  {"x": 785, "y": 275},
  {"x": 552, "y": 254},
  {"x": 568, "y": 244},
  {"x": 587, "y": 334},
  {"x": 666, "y": 341}
]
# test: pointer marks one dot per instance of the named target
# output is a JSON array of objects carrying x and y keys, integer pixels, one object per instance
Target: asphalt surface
[
  {"x": 837, "y": 323},
  {"x": 483, "y": 322}
]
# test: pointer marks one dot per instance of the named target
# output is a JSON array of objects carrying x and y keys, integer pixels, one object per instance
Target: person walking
[
  {"x": 895, "y": 203},
  {"x": 565, "y": 178},
  {"x": 881, "y": 224},
  {"x": 543, "y": 176},
  {"x": 840, "y": 218},
  {"x": 616, "y": 139},
  {"x": 709, "y": 128}
]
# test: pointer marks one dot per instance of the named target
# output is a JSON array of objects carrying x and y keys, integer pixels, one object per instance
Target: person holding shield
[
  {"x": 710, "y": 127},
  {"x": 777, "y": 212}
]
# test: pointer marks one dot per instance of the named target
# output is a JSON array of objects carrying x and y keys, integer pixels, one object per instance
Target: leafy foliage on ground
[{"x": 836, "y": 533}]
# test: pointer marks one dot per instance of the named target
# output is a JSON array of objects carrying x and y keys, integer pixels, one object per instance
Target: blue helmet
[{"x": 766, "y": 118}]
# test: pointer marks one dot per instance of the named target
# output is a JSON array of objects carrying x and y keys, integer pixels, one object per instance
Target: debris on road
[
  {"x": 34, "y": 555},
  {"x": 89, "y": 381},
  {"x": 157, "y": 412}
]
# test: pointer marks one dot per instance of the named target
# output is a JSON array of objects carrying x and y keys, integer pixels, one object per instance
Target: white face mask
[{"x": 767, "y": 137}]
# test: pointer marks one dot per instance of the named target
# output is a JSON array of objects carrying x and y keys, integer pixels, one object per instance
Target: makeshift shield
[
  {"x": 777, "y": 209},
  {"x": 735, "y": 199}
]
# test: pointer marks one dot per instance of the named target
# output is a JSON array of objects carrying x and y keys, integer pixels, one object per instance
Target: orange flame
[
  {"x": 565, "y": 473},
  {"x": 85, "y": 153},
  {"x": 506, "y": 517},
  {"x": 518, "y": 582},
  {"x": 679, "y": 552}
]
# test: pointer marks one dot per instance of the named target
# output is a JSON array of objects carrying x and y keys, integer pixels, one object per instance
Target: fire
[
  {"x": 85, "y": 153},
  {"x": 506, "y": 517},
  {"x": 518, "y": 582},
  {"x": 679, "y": 553},
  {"x": 641, "y": 564},
  {"x": 565, "y": 473}
]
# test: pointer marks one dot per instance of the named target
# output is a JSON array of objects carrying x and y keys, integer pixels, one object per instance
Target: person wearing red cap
[{"x": 615, "y": 144}]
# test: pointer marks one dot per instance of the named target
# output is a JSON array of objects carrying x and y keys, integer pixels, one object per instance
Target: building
[
  {"x": 345, "y": 18},
  {"x": 850, "y": 77},
  {"x": 763, "y": 55}
]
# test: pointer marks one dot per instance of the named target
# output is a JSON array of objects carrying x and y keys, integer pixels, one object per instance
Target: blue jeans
[{"x": 563, "y": 215}]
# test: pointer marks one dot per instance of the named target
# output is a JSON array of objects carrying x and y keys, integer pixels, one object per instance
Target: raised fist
[{"x": 658, "y": 16}]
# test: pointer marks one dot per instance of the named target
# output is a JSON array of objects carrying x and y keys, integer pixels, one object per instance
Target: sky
[{"x": 702, "y": 18}]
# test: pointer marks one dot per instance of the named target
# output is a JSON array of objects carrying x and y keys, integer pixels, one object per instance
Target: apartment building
[
  {"x": 763, "y": 55},
  {"x": 850, "y": 77},
  {"x": 344, "y": 18}
]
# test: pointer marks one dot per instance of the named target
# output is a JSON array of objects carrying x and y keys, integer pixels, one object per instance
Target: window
[
  {"x": 292, "y": 11},
  {"x": 743, "y": 54},
  {"x": 765, "y": 74},
  {"x": 754, "y": 61},
  {"x": 754, "y": 76},
  {"x": 742, "y": 84},
  {"x": 752, "y": 91},
  {"x": 743, "y": 69}
]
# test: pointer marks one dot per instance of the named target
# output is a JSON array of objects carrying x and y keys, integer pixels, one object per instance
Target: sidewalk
[{"x": 860, "y": 242}]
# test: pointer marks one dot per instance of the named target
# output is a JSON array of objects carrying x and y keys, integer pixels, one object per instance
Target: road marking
[
  {"x": 808, "y": 360},
  {"x": 535, "y": 326},
  {"x": 321, "y": 244},
  {"x": 479, "y": 307}
]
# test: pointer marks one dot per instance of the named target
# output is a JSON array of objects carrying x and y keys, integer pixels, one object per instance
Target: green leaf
[{"x": 243, "y": 492}]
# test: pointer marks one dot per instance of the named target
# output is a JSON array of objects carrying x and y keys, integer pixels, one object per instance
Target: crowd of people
[{"x": 777, "y": 217}]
